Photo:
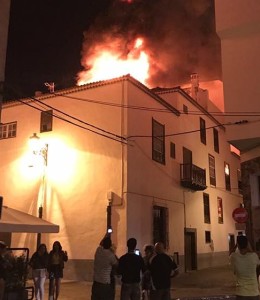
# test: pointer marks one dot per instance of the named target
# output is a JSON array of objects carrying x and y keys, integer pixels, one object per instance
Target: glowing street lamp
[{"x": 38, "y": 148}]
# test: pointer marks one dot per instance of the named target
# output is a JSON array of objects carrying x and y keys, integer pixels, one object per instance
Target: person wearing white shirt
[
  {"x": 244, "y": 263},
  {"x": 104, "y": 260}
]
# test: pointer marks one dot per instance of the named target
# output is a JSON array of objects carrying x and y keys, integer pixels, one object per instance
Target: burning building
[
  {"x": 153, "y": 163},
  {"x": 150, "y": 163}
]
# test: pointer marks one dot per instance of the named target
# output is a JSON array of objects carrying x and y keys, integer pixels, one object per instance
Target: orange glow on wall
[{"x": 62, "y": 163}]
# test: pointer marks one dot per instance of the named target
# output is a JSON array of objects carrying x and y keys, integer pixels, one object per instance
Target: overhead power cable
[
  {"x": 78, "y": 120},
  {"x": 70, "y": 122},
  {"x": 116, "y": 137},
  {"x": 190, "y": 131},
  {"x": 163, "y": 110},
  {"x": 104, "y": 134}
]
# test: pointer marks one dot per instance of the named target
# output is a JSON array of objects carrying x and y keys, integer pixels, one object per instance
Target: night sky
[{"x": 48, "y": 37}]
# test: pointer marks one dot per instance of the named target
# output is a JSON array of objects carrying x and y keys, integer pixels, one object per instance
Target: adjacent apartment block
[{"x": 151, "y": 164}]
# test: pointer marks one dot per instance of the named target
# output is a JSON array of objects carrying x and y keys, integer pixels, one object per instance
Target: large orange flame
[{"x": 108, "y": 63}]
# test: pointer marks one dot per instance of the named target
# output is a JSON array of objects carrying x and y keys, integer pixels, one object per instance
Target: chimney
[
  {"x": 194, "y": 78},
  {"x": 37, "y": 93}
]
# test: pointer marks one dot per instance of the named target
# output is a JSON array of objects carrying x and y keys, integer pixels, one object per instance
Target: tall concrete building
[{"x": 238, "y": 26}]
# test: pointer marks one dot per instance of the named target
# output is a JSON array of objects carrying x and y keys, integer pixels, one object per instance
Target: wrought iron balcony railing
[{"x": 193, "y": 177}]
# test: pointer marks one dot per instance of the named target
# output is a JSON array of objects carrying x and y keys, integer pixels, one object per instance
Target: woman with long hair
[
  {"x": 57, "y": 257},
  {"x": 39, "y": 264}
]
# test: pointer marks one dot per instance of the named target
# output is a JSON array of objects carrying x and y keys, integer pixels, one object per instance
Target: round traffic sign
[{"x": 240, "y": 215}]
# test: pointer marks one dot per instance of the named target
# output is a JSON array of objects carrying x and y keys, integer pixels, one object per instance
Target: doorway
[
  {"x": 231, "y": 242},
  {"x": 190, "y": 240}
]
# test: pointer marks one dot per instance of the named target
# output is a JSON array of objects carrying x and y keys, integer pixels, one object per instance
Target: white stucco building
[
  {"x": 238, "y": 26},
  {"x": 157, "y": 156}
]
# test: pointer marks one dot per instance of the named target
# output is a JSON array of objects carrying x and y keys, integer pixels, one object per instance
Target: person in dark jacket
[
  {"x": 130, "y": 267},
  {"x": 162, "y": 268},
  {"x": 57, "y": 257},
  {"x": 146, "y": 279},
  {"x": 39, "y": 265}
]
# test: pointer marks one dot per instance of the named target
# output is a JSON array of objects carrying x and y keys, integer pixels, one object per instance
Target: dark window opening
[
  {"x": 216, "y": 140},
  {"x": 46, "y": 121},
  {"x": 206, "y": 208},
  {"x": 203, "y": 137},
  {"x": 172, "y": 150},
  {"x": 208, "y": 237},
  {"x": 158, "y": 142}
]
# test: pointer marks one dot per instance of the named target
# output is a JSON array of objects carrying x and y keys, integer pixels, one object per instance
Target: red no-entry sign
[{"x": 240, "y": 215}]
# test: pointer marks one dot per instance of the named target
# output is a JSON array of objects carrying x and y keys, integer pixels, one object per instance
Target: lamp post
[{"x": 40, "y": 150}]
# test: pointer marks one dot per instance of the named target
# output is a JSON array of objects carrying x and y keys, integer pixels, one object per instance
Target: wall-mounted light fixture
[{"x": 38, "y": 148}]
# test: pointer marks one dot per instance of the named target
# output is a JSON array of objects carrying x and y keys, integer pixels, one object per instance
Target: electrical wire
[
  {"x": 190, "y": 131},
  {"x": 121, "y": 106},
  {"x": 114, "y": 136},
  {"x": 70, "y": 122},
  {"x": 76, "y": 119},
  {"x": 163, "y": 110}
]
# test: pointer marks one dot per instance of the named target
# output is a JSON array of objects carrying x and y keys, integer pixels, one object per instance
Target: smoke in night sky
[
  {"x": 179, "y": 36},
  {"x": 46, "y": 42}
]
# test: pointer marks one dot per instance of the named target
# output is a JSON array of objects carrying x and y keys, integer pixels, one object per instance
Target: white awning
[{"x": 13, "y": 220}]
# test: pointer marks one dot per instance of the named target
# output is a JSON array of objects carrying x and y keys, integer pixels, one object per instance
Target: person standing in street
[
  {"x": 162, "y": 268},
  {"x": 146, "y": 279},
  {"x": 104, "y": 261},
  {"x": 130, "y": 267},
  {"x": 57, "y": 257},
  {"x": 245, "y": 263},
  {"x": 39, "y": 265}
]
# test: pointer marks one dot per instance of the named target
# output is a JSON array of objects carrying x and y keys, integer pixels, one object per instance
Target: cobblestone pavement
[{"x": 209, "y": 284}]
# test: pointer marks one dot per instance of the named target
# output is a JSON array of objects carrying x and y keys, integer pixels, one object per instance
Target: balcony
[{"x": 193, "y": 177}]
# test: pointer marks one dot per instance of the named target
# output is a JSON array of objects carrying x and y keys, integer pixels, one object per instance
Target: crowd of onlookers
[
  {"x": 142, "y": 277},
  {"x": 42, "y": 264},
  {"x": 147, "y": 277}
]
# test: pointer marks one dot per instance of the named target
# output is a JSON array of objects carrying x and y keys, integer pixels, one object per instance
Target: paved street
[{"x": 204, "y": 283}]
